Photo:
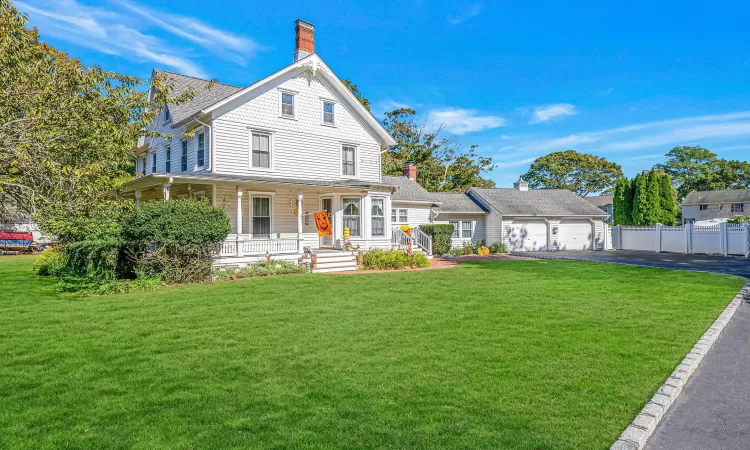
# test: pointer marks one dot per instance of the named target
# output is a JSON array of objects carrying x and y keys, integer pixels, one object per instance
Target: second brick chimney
[
  {"x": 410, "y": 170},
  {"x": 304, "y": 43}
]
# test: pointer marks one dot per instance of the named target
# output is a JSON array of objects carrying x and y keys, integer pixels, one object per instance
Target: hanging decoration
[{"x": 322, "y": 223}]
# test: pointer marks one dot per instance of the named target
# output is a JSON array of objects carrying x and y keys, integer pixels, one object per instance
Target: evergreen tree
[
  {"x": 639, "y": 200},
  {"x": 623, "y": 202},
  {"x": 668, "y": 199},
  {"x": 652, "y": 214}
]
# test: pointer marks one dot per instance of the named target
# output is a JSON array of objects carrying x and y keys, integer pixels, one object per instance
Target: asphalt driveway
[
  {"x": 703, "y": 263},
  {"x": 713, "y": 411}
]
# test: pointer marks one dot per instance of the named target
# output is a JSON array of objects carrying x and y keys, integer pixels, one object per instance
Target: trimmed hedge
[
  {"x": 393, "y": 259},
  {"x": 441, "y": 237}
]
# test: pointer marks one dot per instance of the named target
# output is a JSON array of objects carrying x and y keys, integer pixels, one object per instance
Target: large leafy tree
[
  {"x": 66, "y": 130},
  {"x": 579, "y": 172},
  {"x": 694, "y": 168},
  {"x": 444, "y": 164}
]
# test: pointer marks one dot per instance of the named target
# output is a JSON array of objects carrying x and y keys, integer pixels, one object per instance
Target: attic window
[
  {"x": 287, "y": 104},
  {"x": 328, "y": 113}
]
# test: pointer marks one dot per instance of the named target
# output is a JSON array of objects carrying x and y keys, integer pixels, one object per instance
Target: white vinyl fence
[{"x": 721, "y": 239}]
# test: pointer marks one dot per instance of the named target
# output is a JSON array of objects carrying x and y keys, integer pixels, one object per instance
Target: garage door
[
  {"x": 575, "y": 235},
  {"x": 525, "y": 235}
]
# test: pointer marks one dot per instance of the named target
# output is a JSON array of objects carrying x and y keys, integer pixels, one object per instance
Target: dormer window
[
  {"x": 328, "y": 113},
  {"x": 167, "y": 117},
  {"x": 287, "y": 104}
]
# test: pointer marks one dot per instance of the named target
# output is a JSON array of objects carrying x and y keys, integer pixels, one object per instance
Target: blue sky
[{"x": 520, "y": 79}]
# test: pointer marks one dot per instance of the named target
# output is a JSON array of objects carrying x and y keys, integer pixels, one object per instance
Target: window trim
[
  {"x": 333, "y": 103},
  {"x": 341, "y": 163},
  {"x": 198, "y": 149},
  {"x": 456, "y": 228},
  {"x": 168, "y": 159},
  {"x": 183, "y": 155},
  {"x": 343, "y": 215},
  {"x": 398, "y": 216},
  {"x": 167, "y": 115},
  {"x": 153, "y": 162},
  {"x": 293, "y": 116},
  {"x": 270, "y": 198},
  {"x": 385, "y": 222},
  {"x": 459, "y": 229},
  {"x": 702, "y": 207},
  {"x": 143, "y": 163},
  {"x": 741, "y": 207},
  {"x": 471, "y": 229},
  {"x": 270, "y": 149}
]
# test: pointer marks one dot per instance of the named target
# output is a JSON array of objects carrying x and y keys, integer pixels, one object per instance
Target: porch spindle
[{"x": 240, "y": 250}]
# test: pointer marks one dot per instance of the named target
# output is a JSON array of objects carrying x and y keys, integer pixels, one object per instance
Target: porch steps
[{"x": 327, "y": 262}]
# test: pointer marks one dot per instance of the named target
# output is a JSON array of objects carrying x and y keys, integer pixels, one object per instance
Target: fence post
[
  {"x": 747, "y": 239},
  {"x": 689, "y": 238},
  {"x": 658, "y": 237},
  {"x": 724, "y": 237}
]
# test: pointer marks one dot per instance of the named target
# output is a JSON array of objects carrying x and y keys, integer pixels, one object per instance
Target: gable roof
[
  {"x": 202, "y": 99},
  {"x": 724, "y": 196},
  {"x": 600, "y": 200},
  {"x": 457, "y": 202},
  {"x": 536, "y": 202},
  {"x": 311, "y": 63},
  {"x": 408, "y": 190}
]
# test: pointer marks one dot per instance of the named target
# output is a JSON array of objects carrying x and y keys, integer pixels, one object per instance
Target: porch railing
[
  {"x": 242, "y": 246},
  {"x": 400, "y": 239},
  {"x": 422, "y": 240}
]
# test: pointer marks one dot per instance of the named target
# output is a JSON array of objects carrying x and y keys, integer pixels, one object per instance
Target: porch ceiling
[{"x": 153, "y": 179}]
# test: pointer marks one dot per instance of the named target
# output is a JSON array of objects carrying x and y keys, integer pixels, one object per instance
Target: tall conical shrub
[
  {"x": 668, "y": 200},
  {"x": 623, "y": 202},
  {"x": 652, "y": 214},
  {"x": 640, "y": 205}
]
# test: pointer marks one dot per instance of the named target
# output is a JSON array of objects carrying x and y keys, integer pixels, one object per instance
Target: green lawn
[{"x": 507, "y": 354}]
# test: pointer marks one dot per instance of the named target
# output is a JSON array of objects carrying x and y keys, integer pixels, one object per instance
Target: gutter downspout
[{"x": 211, "y": 143}]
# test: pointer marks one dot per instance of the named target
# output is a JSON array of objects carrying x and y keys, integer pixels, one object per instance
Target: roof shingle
[
  {"x": 537, "y": 202},
  {"x": 724, "y": 196},
  {"x": 408, "y": 190},
  {"x": 457, "y": 202},
  {"x": 202, "y": 99}
]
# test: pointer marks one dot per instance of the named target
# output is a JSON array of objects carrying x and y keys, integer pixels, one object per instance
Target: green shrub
[
  {"x": 93, "y": 286},
  {"x": 259, "y": 269},
  {"x": 739, "y": 219},
  {"x": 101, "y": 259},
  {"x": 441, "y": 237},
  {"x": 393, "y": 259},
  {"x": 48, "y": 263},
  {"x": 498, "y": 247},
  {"x": 177, "y": 240}
]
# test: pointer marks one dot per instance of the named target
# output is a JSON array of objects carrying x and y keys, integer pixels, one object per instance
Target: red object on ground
[{"x": 16, "y": 236}]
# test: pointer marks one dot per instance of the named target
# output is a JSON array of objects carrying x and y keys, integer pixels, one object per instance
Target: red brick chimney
[
  {"x": 410, "y": 170},
  {"x": 304, "y": 44}
]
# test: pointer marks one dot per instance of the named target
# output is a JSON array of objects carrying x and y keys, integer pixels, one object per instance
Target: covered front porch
[{"x": 274, "y": 217}]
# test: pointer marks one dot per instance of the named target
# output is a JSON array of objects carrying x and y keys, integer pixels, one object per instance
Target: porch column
[
  {"x": 299, "y": 222},
  {"x": 137, "y": 199},
  {"x": 239, "y": 222}
]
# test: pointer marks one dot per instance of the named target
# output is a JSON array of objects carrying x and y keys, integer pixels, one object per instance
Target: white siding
[
  {"x": 478, "y": 225},
  {"x": 301, "y": 147},
  {"x": 158, "y": 145},
  {"x": 416, "y": 214}
]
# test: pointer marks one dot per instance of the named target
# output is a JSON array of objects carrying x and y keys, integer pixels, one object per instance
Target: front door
[{"x": 326, "y": 204}]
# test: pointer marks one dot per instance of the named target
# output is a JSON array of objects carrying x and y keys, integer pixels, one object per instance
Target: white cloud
[
  {"x": 471, "y": 11},
  {"x": 659, "y": 135},
  {"x": 514, "y": 163},
  {"x": 545, "y": 113},
  {"x": 119, "y": 29},
  {"x": 462, "y": 121},
  {"x": 381, "y": 107}
]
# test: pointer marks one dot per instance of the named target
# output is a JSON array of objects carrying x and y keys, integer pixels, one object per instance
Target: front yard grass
[{"x": 501, "y": 354}]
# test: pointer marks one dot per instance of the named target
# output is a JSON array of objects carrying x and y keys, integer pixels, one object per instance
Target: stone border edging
[{"x": 637, "y": 433}]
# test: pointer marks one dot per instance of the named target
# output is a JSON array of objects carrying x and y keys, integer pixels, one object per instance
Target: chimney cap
[{"x": 304, "y": 23}]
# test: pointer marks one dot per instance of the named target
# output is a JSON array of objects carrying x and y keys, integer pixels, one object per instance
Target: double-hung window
[
  {"x": 738, "y": 207},
  {"x": 703, "y": 207},
  {"x": 168, "y": 159},
  {"x": 377, "y": 214},
  {"x": 261, "y": 153},
  {"x": 456, "y": 229},
  {"x": 466, "y": 229},
  {"x": 183, "y": 157},
  {"x": 352, "y": 215},
  {"x": 348, "y": 161},
  {"x": 200, "y": 157},
  {"x": 153, "y": 162},
  {"x": 399, "y": 215},
  {"x": 328, "y": 113},
  {"x": 262, "y": 217},
  {"x": 287, "y": 104},
  {"x": 142, "y": 162}
]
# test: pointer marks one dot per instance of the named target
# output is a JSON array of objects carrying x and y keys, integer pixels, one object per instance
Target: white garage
[
  {"x": 574, "y": 235},
  {"x": 527, "y": 235}
]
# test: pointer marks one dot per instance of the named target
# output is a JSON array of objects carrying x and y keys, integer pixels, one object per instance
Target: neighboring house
[
  {"x": 605, "y": 203},
  {"x": 298, "y": 141},
  {"x": 715, "y": 206}
]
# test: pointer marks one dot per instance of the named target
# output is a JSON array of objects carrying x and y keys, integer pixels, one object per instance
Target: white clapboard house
[{"x": 297, "y": 141}]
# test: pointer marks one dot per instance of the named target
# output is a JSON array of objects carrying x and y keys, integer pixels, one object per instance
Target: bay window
[
  {"x": 352, "y": 215},
  {"x": 377, "y": 214}
]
